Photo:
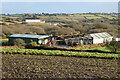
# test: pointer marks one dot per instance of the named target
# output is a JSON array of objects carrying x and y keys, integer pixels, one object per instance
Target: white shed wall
[
  {"x": 97, "y": 41},
  {"x": 32, "y": 20},
  {"x": 117, "y": 39},
  {"x": 109, "y": 39}
]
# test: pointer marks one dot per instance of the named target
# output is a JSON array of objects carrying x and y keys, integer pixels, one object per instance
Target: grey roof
[
  {"x": 30, "y": 36},
  {"x": 100, "y": 35}
]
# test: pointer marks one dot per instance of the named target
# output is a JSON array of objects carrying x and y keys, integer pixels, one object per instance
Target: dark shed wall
[{"x": 27, "y": 40}]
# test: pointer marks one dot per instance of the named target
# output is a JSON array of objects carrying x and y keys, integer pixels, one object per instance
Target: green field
[
  {"x": 100, "y": 48},
  {"x": 4, "y": 40},
  {"x": 93, "y": 17},
  {"x": 108, "y": 16}
]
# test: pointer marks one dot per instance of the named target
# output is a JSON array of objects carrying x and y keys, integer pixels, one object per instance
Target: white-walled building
[
  {"x": 101, "y": 37},
  {"x": 117, "y": 39},
  {"x": 33, "y": 20}
]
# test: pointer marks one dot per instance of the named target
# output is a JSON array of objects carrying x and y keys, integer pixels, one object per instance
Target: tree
[
  {"x": 19, "y": 42},
  {"x": 114, "y": 46}
]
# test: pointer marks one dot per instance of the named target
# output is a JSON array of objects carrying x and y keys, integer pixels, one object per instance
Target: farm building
[
  {"x": 33, "y": 20},
  {"x": 95, "y": 38},
  {"x": 117, "y": 39},
  {"x": 40, "y": 39},
  {"x": 101, "y": 37},
  {"x": 73, "y": 40}
]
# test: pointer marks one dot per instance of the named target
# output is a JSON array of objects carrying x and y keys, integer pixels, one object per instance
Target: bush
[
  {"x": 4, "y": 43},
  {"x": 31, "y": 44},
  {"x": 19, "y": 42},
  {"x": 24, "y": 22},
  {"x": 114, "y": 46}
]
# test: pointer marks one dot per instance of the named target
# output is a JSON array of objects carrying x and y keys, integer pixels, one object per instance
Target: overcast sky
[{"x": 60, "y": 0}]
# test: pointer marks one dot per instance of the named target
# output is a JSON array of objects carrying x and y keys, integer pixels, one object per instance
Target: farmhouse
[
  {"x": 101, "y": 37},
  {"x": 33, "y": 20},
  {"x": 40, "y": 39}
]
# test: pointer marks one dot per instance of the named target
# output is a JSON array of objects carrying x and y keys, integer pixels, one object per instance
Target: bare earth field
[{"x": 38, "y": 66}]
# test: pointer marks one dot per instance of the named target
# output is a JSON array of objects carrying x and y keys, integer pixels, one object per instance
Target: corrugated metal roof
[
  {"x": 30, "y": 36},
  {"x": 100, "y": 35}
]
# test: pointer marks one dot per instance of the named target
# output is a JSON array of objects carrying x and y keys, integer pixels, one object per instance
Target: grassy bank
[{"x": 59, "y": 53}]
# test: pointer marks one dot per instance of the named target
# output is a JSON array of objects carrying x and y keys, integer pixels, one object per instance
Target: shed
[
  {"x": 40, "y": 39},
  {"x": 101, "y": 37},
  {"x": 117, "y": 39}
]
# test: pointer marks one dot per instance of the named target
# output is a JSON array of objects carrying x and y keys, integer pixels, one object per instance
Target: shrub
[
  {"x": 19, "y": 42},
  {"x": 114, "y": 46},
  {"x": 24, "y": 22},
  {"x": 31, "y": 44}
]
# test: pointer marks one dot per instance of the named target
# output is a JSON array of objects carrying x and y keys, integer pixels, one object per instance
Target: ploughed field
[{"x": 40, "y": 66}]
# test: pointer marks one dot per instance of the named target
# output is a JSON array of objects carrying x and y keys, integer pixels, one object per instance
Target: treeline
[
  {"x": 67, "y": 24},
  {"x": 60, "y": 29}
]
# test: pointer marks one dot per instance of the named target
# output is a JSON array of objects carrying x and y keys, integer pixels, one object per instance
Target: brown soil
[{"x": 38, "y": 66}]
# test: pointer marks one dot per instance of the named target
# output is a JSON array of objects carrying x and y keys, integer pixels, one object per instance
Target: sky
[
  {"x": 60, "y": 0},
  {"x": 50, "y": 7},
  {"x": 59, "y": 7}
]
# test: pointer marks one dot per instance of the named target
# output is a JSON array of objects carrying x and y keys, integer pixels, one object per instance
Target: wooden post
[
  {"x": 72, "y": 43},
  {"x": 82, "y": 41},
  {"x": 78, "y": 41},
  {"x": 66, "y": 43},
  {"x": 86, "y": 41},
  {"x": 54, "y": 42}
]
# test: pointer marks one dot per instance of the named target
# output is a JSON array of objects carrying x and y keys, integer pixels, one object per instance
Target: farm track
[{"x": 38, "y": 66}]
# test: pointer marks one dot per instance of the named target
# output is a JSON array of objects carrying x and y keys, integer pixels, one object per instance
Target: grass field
[
  {"x": 93, "y": 17},
  {"x": 38, "y": 66},
  {"x": 100, "y": 48},
  {"x": 108, "y": 16},
  {"x": 87, "y": 15},
  {"x": 4, "y": 40},
  {"x": 92, "y": 48}
]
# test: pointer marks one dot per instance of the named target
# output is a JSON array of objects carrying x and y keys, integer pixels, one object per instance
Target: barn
[
  {"x": 40, "y": 39},
  {"x": 101, "y": 37}
]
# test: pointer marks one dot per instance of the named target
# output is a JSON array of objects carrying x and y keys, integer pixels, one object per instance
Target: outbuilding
[
  {"x": 101, "y": 37},
  {"x": 117, "y": 39},
  {"x": 40, "y": 39}
]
